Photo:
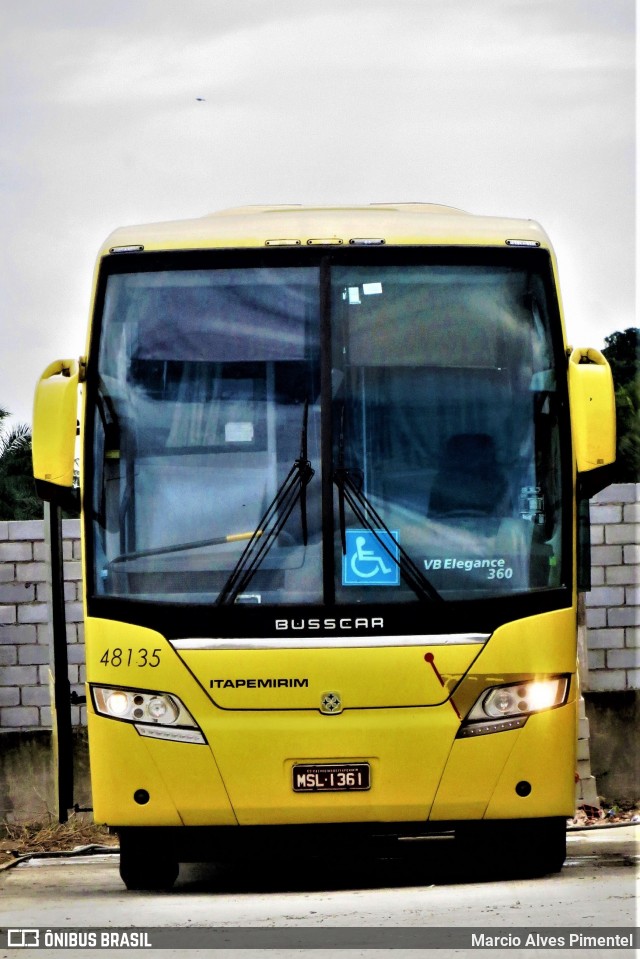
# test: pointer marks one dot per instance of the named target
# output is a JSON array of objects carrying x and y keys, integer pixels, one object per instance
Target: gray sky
[{"x": 511, "y": 107}]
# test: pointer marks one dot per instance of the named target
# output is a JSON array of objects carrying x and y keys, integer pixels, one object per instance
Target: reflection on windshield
[
  {"x": 212, "y": 379},
  {"x": 292, "y": 490},
  {"x": 368, "y": 563},
  {"x": 444, "y": 423},
  {"x": 446, "y": 409}
]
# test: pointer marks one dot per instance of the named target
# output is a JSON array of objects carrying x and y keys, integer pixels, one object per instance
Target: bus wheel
[
  {"x": 514, "y": 847},
  {"x": 143, "y": 865}
]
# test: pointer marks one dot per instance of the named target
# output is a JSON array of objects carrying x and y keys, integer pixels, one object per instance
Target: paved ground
[{"x": 596, "y": 888}]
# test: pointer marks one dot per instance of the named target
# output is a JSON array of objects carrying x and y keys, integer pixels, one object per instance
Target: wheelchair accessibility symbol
[{"x": 367, "y": 562}]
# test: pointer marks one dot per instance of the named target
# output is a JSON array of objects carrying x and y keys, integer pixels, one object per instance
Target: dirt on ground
[
  {"x": 33, "y": 838},
  {"x": 607, "y": 814}
]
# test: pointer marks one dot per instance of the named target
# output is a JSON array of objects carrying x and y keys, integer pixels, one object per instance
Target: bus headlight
[
  {"x": 117, "y": 703},
  {"x": 155, "y": 715},
  {"x": 508, "y": 707},
  {"x": 163, "y": 709}
]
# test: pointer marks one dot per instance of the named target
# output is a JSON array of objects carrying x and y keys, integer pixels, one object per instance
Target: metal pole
[{"x": 60, "y": 689}]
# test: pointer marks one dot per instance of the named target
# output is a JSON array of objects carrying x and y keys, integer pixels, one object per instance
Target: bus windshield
[{"x": 332, "y": 432}]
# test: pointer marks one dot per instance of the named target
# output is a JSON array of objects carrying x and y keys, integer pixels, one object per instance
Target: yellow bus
[{"x": 331, "y": 461}]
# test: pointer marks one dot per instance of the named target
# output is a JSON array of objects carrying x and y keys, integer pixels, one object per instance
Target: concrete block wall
[
  {"x": 24, "y": 622},
  {"x": 613, "y": 605}
]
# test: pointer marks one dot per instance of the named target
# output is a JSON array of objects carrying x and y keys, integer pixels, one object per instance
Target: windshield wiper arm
[
  {"x": 339, "y": 472},
  {"x": 351, "y": 491},
  {"x": 182, "y": 547},
  {"x": 365, "y": 513},
  {"x": 304, "y": 466},
  {"x": 292, "y": 489}
]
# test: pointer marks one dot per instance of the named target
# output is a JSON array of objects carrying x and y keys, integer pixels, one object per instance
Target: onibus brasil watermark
[{"x": 319, "y": 937}]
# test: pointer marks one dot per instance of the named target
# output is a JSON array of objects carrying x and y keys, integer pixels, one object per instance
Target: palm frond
[{"x": 17, "y": 440}]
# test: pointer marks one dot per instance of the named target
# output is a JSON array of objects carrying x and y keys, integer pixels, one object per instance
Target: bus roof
[{"x": 394, "y": 224}]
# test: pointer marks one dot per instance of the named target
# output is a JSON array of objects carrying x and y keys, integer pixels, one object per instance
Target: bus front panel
[{"x": 328, "y": 519}]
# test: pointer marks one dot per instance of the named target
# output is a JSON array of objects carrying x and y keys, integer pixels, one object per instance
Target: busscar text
[{"x": 344, "y": 623}]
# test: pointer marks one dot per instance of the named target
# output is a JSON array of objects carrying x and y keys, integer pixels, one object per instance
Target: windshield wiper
[
  {"x": 349, "y": 489},
  {"x": 181, "y": 547},
  {"x": 292, "y": 489},
  {"x": 349, "y": 483}
]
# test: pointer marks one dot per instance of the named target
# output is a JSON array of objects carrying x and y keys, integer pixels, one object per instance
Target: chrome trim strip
[{"x": 332, "y": 642}]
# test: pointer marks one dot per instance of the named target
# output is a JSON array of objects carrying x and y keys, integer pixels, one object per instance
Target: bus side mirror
[
  {"x": 593, "y": 410},
  {"x": 53, "y": 441}
]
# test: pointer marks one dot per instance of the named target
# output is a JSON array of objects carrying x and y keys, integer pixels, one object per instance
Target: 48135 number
[{"x": 131, "y": 657}]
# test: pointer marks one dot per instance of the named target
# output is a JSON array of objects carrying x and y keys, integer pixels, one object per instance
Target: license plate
[{"x": 341, "y": 777}]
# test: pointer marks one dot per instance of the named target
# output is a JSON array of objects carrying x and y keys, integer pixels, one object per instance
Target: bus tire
[
  {"x": 145, "y": 866},
  {"x": 515, "y": 848}
]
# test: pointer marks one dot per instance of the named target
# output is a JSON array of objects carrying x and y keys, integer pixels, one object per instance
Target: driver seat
[{"x": 469, "y": 481}]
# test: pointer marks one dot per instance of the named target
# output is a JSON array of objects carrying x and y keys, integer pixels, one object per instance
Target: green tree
[
  {"x": 623, "y": 351},
  {"x": 18, "y": 499}
]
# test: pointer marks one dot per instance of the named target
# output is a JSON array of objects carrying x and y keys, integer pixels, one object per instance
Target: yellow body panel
[
  {"x": 396, "y": 223},
  {"x": 544, "y": 755},
  {"x": 365, "y": 677},
  {"x": 482, "y": 773},
  {"x": 536, "y": 646},
  {"x": 405, "y": 747},
  {"x": 54, "y": 423},
  {"x": 419, "y": 770},
  {"x": 472, "y": 771},
  {"x": 593, "y": 409},
  {"x": 183, "y": 782}
]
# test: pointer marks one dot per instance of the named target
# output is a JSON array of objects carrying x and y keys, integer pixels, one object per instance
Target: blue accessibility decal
[{"x": 371, "y": 558}]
